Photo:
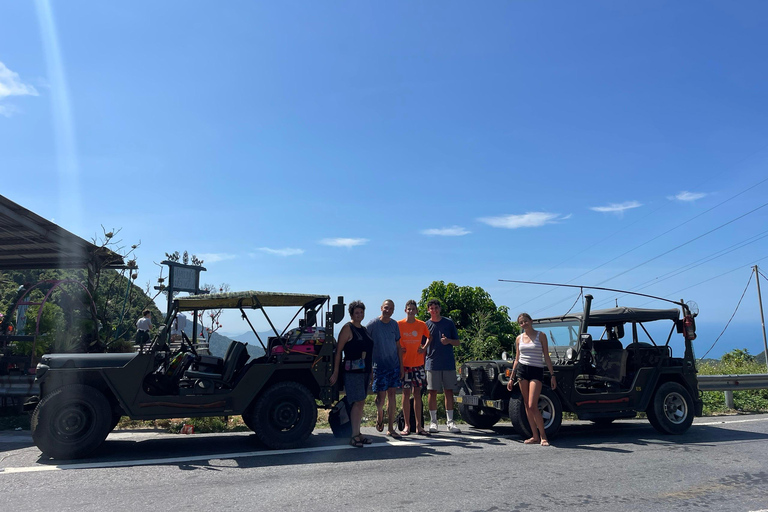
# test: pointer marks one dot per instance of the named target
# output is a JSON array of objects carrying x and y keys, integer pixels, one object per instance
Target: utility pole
[{"x": 762, "y": 317}]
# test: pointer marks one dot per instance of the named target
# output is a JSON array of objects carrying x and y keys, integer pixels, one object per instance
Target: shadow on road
[{"x": 243, "y": 449}]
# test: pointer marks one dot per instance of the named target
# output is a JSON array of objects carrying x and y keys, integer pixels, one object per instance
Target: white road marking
[
  {"x": 264, "y": 453},
  {"x": 240, "y": 455},
  {"x": 734, "y": 421}
]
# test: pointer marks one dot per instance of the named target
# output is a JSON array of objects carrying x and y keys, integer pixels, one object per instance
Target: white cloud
[
  {"x": 344, "y": 242},
  {"x": 687, "y": 196},
  {"x": 527, "y": 220},
  {"x": 11, "y": 85},
  {"x": 214, "y": 257},
  {"x": 451, "y": 231},
  {"x": 282, "y": 252},
  {"x": 617, "y": 207},
  {"x": 8, "y": 110}
]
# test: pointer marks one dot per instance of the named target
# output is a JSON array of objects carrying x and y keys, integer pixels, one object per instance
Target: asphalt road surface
[{"x": 719, "y": 464}]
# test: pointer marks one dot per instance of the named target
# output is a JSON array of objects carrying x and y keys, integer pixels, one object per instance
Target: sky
[{"x": 366, "y": 149}]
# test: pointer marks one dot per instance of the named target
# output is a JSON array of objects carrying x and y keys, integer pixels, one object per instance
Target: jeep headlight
[
  {"x": 570, "y": 354},
  {"x": 40, "y": 371},
  {"x": 465, "y": 372},
  {"x": 491, "y": 372}
]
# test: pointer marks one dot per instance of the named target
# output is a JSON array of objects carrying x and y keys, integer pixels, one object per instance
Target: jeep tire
[
  {"x": 71, "y": 422},
  {"x": 551, "y": 411},
  {"x": 479, "y": 417},
  {"x": 671, "y": 409},
  {"x": 283, "y": 416}
]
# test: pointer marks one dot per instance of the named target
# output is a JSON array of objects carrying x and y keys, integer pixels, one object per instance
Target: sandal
[
  {"x": 380, "y": 425},
  {"x": 393, "y": 434},
  {"x": 357, "y": 441},
  {"x": 405, "y": 432},
  {"x": 544, "y": 442},
  {"x": 423, "y": 432},
  {"x": 532, "y": 441}
]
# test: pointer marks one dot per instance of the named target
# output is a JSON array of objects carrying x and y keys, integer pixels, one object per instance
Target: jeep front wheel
[
  {"x": 283, "y": 416},
  {"x": 71, "y": 422},
  {"x": 551, "y": 412},
  {"x": 480, "y": 417},
  {"x": 671, "y": 409}
]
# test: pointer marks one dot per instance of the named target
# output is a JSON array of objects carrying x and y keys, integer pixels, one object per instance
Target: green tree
[{"x": 485, "y": 330}]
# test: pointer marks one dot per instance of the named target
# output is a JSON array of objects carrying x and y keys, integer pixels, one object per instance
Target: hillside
[{"x": 218, "y": 344}]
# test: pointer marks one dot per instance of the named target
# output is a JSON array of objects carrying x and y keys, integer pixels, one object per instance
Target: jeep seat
[
  {"x": 611, "y": 365},
  {"x": 233, "y": 361}
]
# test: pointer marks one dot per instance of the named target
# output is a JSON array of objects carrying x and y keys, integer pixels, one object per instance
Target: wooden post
[{"x": 762, "y": 317}]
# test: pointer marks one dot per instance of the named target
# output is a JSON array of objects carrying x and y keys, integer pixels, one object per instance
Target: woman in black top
[{"x": 357, "y": 346}]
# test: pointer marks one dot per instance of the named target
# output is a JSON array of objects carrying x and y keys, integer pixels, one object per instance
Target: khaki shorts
[{"x": 439, "y": 380}]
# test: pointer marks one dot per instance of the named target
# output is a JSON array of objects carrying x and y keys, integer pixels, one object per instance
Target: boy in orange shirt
[{"x": 414, "y": 338}]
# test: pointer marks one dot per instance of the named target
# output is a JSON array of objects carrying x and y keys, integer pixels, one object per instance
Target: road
[{"x": 720, "y": 464}]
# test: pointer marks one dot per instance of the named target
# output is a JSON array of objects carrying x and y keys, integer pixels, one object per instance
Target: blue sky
[{"x": 366, "y": 149}]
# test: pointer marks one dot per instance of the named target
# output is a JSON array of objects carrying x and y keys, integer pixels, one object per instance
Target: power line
[
  {"x": 729, "y": 320},
  {"x": 643, "y": 218},
  {"x": 711, "y": 278},
  {"x": 671, "y": 250},
  {"x": 697, "y": 263},
  {"x": 648, "y": 241},
  {"x": 685, "y": 243}
]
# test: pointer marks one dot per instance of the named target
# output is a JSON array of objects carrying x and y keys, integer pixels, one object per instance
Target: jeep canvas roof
[
  {"x": 249, "y": 299},
  {"x": 618, "y": 315}
]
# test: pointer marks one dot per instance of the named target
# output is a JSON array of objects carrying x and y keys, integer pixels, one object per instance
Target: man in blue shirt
[
  {"x": 441, "y": 364},
  {"x": 387, "y": 365}
]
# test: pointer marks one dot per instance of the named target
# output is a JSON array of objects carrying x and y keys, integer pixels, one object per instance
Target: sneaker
[
  {"x": 453, "y": 429},
  {"x": 433, "y": 427}
]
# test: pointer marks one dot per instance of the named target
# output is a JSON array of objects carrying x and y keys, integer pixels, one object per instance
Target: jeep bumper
[{"x": 479, "y": 401}]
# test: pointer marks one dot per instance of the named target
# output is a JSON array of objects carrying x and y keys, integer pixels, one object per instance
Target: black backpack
[
  {"x": 400, "y": 419},
  {"x": 339, "y": 419}
]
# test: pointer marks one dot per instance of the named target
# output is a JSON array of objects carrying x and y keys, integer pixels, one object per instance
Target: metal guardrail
[{"x": 733, "y": 382}]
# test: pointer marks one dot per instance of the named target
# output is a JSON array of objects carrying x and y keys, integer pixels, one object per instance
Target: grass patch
[
  {"x": 205, "y": 425},
  {"x": 14, "y": 422}
]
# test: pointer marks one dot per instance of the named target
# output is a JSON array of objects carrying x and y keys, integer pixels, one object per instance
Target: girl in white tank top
[
  {"x": 531, "y": 352},
  {"x": 531, "y": 358}
]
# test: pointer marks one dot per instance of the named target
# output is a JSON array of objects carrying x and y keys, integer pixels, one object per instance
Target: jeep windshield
[{"x": 561, "y": 334}]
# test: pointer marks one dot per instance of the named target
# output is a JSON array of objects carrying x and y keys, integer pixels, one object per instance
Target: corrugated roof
[{"x": 28, "y": 241}]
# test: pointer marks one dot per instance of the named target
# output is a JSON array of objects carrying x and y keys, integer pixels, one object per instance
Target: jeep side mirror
[
  {"x": 338, "y": 310},
  {"x": 586, "y": 341},
  {"x": 310, "y": 318}
]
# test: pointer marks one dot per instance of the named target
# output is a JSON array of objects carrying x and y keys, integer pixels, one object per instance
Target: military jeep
[
  {"x": 83, "y": 396},
  {"x": 599, "y": 379}
]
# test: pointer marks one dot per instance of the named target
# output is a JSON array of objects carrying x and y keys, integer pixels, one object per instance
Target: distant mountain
[
  {"x": 251, "y": 339},
  {"x": 218, "y": 344}
]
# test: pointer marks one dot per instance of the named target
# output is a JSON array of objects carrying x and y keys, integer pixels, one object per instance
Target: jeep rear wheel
[
  {"x": 671, "y": 409},
  {"x": 71, "y": 422},
  {"x": 283, "y": 416},
  {"x": 551, "y": 411},
  {"x": 480, "y": 417}
]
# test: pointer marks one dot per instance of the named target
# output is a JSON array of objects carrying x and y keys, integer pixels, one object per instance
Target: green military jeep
[
  {"x": 599, "y": 379},
  {"x": 82, "y": 396}
]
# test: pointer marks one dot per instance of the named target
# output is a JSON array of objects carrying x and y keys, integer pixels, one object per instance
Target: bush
[{"x": 736, "y": 362}]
